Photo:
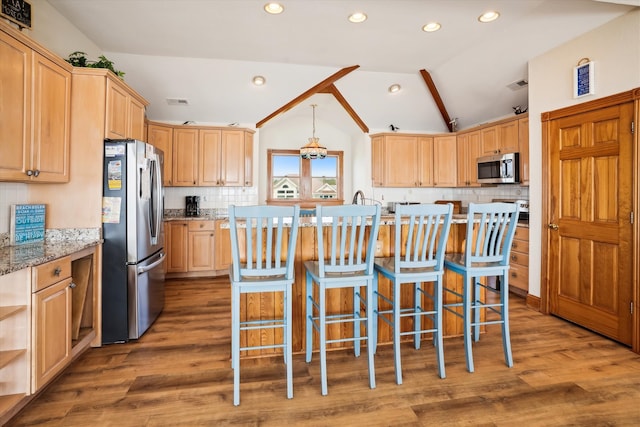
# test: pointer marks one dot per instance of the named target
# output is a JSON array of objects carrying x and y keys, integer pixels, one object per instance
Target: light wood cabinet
[
  {"x": 205, "y": 156},
  {"x": 15, "y": 335},
  {"x": 519, "y": 262},
  {"x": 523, "y": 141},
  {"x": 222, "y": 254},
  {"x": 501, "y": 137},
  {"x": 177, "y": 239},
  {"x": 35, "y": 110},
  {"x": 468, "y": 150},
  {"x": 125, "y": 113},
  {"x": 201, "y": 246},
  {"x": 162, "y": 137},
  {"x": 425, "y": 161},
  {"x": 51, "y": 322},
  {"x": 377, "y": 161},
  {"x": 185, "y": 157},
  {"x": 444, "y": 161}
]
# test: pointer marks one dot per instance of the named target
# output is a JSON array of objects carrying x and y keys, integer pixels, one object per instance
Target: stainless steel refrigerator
[{"x": 133, "y": 248}]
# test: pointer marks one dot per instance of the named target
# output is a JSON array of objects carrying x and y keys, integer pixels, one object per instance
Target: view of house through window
[{"x": 293, "y": 178}]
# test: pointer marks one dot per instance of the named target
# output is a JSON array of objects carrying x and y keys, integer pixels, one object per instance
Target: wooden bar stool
[
  {"x": 262, "y": 262},
  {"x": 421, "y": 233},
  {"x": 342, "y": 231},
  {"x": 490, "y": 230}
]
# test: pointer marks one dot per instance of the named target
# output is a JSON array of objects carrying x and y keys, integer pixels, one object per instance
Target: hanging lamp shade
[{"x": 313, "y": 149}]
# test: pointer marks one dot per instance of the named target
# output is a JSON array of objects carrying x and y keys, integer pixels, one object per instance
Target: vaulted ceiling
[{"x": 207, "y": 51}]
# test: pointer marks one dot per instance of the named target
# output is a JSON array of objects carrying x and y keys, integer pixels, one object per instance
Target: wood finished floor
[{"x": 178, "y": 373}]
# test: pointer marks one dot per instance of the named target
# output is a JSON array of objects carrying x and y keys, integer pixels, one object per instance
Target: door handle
[{"x": 553, "y": 226}]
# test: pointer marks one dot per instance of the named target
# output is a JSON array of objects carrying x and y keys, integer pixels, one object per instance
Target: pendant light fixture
[{"x": 313, "y": 149}]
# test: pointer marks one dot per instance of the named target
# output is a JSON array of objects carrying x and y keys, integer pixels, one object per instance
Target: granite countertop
[{"x": 57, "y": 244}]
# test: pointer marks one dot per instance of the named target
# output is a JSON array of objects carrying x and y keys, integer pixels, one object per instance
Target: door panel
[{"x": 590, "y": 252}]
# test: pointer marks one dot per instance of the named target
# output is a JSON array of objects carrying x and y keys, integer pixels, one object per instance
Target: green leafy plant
[{"x": 79, "y": 59}]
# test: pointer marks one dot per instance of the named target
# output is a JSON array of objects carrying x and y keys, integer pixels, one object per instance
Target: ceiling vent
[
  {"x": 518, "y": 85},
  {"x": 177, "y": 101}
]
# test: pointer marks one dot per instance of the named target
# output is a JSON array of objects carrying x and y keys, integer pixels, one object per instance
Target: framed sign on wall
[
  {"x": 17, "y": 11},
  {"x": 583, "y": 78}
]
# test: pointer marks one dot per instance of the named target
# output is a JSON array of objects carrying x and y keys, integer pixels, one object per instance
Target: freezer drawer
[{"x": 145, "y": 293}]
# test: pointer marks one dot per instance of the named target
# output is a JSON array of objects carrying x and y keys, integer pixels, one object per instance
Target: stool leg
[
  {"x": 356, "y": 320},
  {"x": 374, "y": 301},
  {"x": 288, "y": 350},
  {"x": 506, "y": 337},
  {"x": 437, "y": 336},
  {"x": 323, "y": 338},
  {"x": 235, "y": 342},
  {"x": 309, "y": 317},
  {"x": 477, "y": 303},
  {"x": 466, "y": 305},
  {"x": 396, "y": 330},
  {"x": 370, "y": 329},
  {"x": 417, "y": 318}
]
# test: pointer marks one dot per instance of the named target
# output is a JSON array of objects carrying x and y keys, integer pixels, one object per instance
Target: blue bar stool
[
  {"x": 343, "y": 230},
  {"x": 490, "y": 231},
  {"x": 418, "y": 258},
  {"x": 262, "y": 262}
]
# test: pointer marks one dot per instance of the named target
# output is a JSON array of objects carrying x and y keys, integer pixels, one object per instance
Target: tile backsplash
[
  {"x": 210, "y": 197},
  {"x": 10, "y": 194}
]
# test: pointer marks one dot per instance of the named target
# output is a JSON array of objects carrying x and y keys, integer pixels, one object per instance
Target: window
[{"x": 308, "y": 182}]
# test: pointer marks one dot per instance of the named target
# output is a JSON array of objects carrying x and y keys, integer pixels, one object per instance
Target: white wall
[{"x": 615, "y": 49}]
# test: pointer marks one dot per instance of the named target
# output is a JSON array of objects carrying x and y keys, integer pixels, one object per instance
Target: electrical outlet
[{"x": 379, "y": 248}]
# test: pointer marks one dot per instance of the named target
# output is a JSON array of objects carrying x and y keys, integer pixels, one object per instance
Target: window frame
[{"x": 305, "y": 198}]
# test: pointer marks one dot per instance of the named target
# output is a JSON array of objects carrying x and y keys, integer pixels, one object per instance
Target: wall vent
[
  {"x": 177, "y": 101},
  {"x": 518, "y": 85}
]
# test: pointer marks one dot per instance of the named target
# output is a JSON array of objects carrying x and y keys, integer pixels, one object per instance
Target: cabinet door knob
[
  {"x": 36, "y": 172},
  {"x": 57, "y": 271},
  {"x": 72, "y": 285},
  {"x": 29, "y": 172}
]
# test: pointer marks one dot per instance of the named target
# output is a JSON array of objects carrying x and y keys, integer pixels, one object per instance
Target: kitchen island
[{"x": 256, "y": 306}]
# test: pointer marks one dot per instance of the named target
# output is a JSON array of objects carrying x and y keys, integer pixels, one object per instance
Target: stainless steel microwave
[{"x": 499, "y": 169}]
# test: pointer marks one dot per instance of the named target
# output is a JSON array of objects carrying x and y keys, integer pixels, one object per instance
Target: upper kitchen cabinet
[
  {"x": 161, "y": 136},
  {"x": 35, "y": 110},
  {"x": 501, "y": 137},
  {"x": 523, "y": 131},
  {"x": 125, "y": 112},
  {"x": 102, "y": 98},
  {"x": 205, "y": 156},
  {"x": 468, "y": 147},
  {"x": 444, "y": 161}
]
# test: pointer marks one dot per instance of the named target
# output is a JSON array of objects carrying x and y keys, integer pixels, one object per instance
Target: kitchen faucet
[{"x": 355, "y": 197}]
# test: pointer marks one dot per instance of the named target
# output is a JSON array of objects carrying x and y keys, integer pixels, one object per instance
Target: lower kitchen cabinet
[
  {"x": 222, "y": 256},
  {"x": 200, "y": 248},
  {"x": 176, "y": 246},
  {"x": 519, "y": 262},
  {"x": 194, "y": 249}
]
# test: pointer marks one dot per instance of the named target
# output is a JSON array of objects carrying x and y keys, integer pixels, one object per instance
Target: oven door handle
[{"x": 142, "y": 270}]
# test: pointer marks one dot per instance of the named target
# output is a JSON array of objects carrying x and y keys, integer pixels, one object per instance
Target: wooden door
[
  {"x": 444, "y": 161},
  {"x": 508, "y": 137},
  {"x": 222, "y": 253},
  {"x": 590, "y": 230},
  {"x": 136, "y": 120},
  {"x": 468, "y": 150},
  {"x": 377, "y": 161},
  {"x": 15, "y": 108},
  {"x": 232, "y": 158},
  {"x": 248, "y": 159},
  {"x": 176, "y": 261},
  {"x": 523, "y": 149},
  {"x": 185, "y": 157},
  {"x": 117, "y": 117},
  {"x": 200, "y": 253},
  {"x": 209, "y": 157},
  {"x": 51, "y": 121},
  {"x": 490, "y": 142}
]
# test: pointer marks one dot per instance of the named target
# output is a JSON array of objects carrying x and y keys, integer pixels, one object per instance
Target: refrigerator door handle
[
  {"x": 155, "y": 214},
  {"x": 142, "y": 270}
]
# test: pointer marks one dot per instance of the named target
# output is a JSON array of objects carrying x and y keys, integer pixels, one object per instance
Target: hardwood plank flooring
[{"x": 179, "y": 373}]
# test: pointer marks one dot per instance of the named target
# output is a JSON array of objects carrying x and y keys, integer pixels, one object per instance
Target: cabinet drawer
[
  {"x": 520, "y": 246},
  {"x": 522, "y": 233},
  {"x": 519, "y": 258},
  {"x": 201, "y": 225},
  {"x": 519, "y": 277},
  {"x": 47, "y": 274}
]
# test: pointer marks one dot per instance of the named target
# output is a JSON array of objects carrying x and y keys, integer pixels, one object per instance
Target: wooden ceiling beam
[
  {"x": 333, "y": 90},
  {"x": 315, "y": 89},
  {"x": 436, "y": 97}
]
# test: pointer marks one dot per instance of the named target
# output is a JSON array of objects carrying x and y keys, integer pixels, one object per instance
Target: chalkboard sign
[
  {"x": 18, "y": 11},
  {"x": 27, "y": 224}
]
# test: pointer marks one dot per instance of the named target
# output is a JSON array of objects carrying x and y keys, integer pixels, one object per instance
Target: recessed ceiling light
[
  {"x": 273, "y": 8},
  {"x": 431, "y": 27},
  {"x": 489, "y": 16},
  {"x": 259, "y": 80},
  {"x": 357, "y": 17},
  {"x": 394, "y": 88}
]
